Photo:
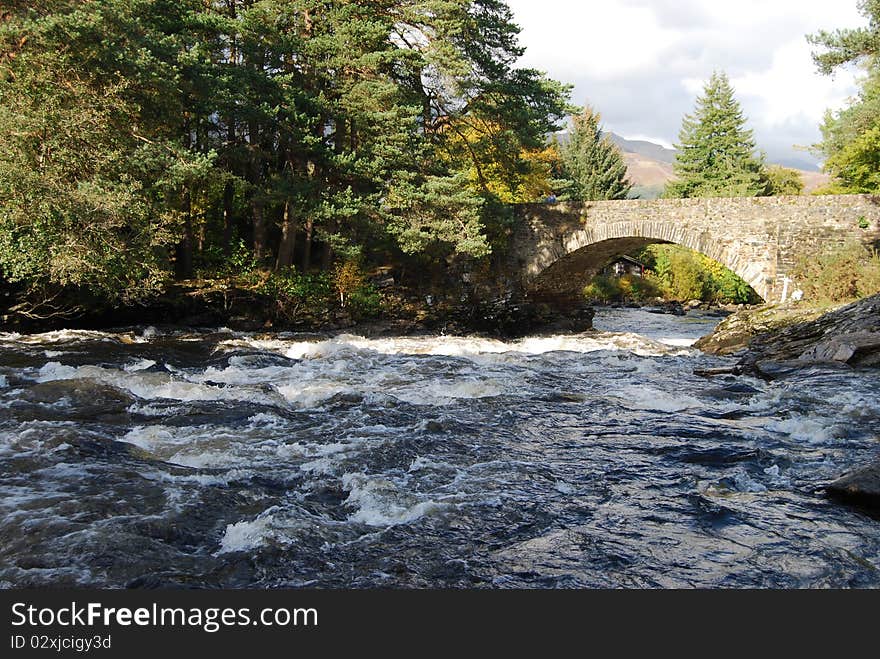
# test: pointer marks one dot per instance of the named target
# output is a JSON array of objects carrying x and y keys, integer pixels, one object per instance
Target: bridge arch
[
  {"x": 554, "y": 248},
  {"x": 584, "y": 252}
]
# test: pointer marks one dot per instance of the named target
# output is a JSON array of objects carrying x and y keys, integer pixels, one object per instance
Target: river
[{"x": 169, "y": 458}]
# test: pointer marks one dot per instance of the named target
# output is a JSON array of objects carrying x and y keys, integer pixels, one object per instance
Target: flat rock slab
[
  {"x": 843, "y": 348},
  {"x": 861, "y": 487},
  {"x": 849, "y": 335}
]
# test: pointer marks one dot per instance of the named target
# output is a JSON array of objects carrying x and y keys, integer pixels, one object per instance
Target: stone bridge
[{"x": 556, "y": 248}]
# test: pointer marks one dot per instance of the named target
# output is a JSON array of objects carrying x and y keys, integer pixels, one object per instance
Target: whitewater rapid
[{"x": 170, "y": 457}]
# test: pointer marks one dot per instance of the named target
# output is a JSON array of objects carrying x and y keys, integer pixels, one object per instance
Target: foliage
[
  {"x": 85, "y": 199},
  {"x": 682, "y": 274},
  {"x": 784, "y": 181},
  {"x": 144, "y": 139},
  {"x": 716, "y": 152},
  {"x": 851, "y": 137},
  {"x": 603, "y": 288},
  {"x": 592, "y": 162},
  {"x": 847, "y": 272},
  {"x": 347, "y": 277},
  {"x": 851, "y": 45},
  {"x": 628, "y": 288}
]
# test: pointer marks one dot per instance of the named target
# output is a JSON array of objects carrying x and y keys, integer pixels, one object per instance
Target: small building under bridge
[{"x": 623, "y": 266}]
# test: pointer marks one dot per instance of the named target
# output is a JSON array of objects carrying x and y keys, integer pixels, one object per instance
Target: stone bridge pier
[{"x": 557, "y": 248}]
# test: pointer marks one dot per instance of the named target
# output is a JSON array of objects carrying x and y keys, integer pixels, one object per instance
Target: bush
[
  {"x": 681, "y": 274},
  {"x": 355, "y": 294},
  {"x": 602, "y": 289},
  {"x": 847, "y": 272},
  {"x": 628, "y": 288},
  {"x": 296, "y": 294}
]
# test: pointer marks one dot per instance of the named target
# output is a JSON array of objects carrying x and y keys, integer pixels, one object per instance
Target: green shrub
[
  {"x": 844, "y": 273},
  {"x": 678, "y": 273},
  {"x": 602, "y": 289}
]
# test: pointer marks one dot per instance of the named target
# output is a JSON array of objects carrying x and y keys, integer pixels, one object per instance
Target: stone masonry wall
[{"x": 556, "y": 246}]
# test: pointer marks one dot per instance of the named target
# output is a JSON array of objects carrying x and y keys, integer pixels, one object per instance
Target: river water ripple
[{"x": 148, "y": 458}]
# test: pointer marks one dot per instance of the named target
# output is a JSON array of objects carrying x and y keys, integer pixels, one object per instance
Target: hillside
[{"x": 650, "y": 167}]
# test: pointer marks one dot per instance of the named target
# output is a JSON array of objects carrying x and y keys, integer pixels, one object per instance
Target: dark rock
[
  {"x": 850, "y": 335},
  {"x": 737, "y": 331},
  {"x": 715, "y": 372},
  {"x": 861, "y": 487},
  {"x": 847, "y": 348}
]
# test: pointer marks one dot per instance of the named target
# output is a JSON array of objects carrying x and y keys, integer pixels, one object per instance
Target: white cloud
[
  {"x": 566, "y": 38},
  {"x": 791, "y": 87},
  {"x": 642, "y": 62}
]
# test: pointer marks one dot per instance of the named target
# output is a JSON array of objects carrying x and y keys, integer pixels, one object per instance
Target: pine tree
[
  {"x": 593, "y": 162},
  {"x": 851, "y": 137},
  {"x": 716, "y": 154}
]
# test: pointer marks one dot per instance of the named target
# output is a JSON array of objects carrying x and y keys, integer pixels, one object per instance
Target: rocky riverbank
[
  {"x": 737, "y": 331},
  {"x": 796, "y": 335},
  {"x": 401, "y": 312},
  {"x": 849, "y": 335},
  {"x": 782, "y": 339}
]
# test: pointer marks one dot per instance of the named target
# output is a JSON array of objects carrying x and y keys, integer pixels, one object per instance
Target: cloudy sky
[{"x": 641, "y": 63}]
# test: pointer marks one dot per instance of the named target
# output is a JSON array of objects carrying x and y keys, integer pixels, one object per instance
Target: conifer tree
[
  {"x": 593, "y": 162},
  {"x": 851, "y": 137},
  {"x": 716, "y": 152}
]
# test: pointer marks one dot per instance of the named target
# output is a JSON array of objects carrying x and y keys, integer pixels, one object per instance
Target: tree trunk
[
  {"x": 288, "y": 240},
  {"x": 326, "y": 257},
  {"x": 307, "y": 247},
  {"x": 185, "y": 250},
  {"x": 258, "y": 216},
  {"x": 228, "y": 221}
]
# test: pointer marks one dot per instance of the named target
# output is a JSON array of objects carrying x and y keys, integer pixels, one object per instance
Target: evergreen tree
[
  {"x": 141, "y": 140},
  {"x": 592, "y": 162},
  {"x": 851, "y": 137},
  {"x": 716, "y": 154}
]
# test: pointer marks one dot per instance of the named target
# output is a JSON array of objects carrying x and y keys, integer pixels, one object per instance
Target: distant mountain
[
  {"x": 643, "y": 148},
  {"x": 650, "y": 167},
  {"x": 805, "y": 163}
]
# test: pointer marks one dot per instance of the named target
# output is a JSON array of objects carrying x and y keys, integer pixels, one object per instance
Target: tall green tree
[
  {"x": 716, "y": 152},
  {"x": 851, "y": 137},
  {"x": 94, "y": 173},
  {"x": 592, "y": 162},
  {"x": 144, "y": 139}
]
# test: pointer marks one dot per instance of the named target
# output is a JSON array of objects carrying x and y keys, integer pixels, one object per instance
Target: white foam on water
[
  {"x": 65, "y": 336},
  {"x": 564, "y": 488},
  {"x": 745, "y": 483},
  {"x": 267, "y": 421},
  {"x": 248, "y": 535},
  {"x": 156, "y": 438},
  {"x": 204, "y": 446},
  {"x": 156, "y": 409},
  {"x": 3, "y": 382},
  {"x": 313, "y": 395},
  {"x": 812, "y": 430},
  {"x": 346, "y": 346},
  {"x": 151, "y": 386},
  {"x": 644, "y": 397},
  {"x": 140, "y": 365},
  {"x": 426, "y": 464},
  {"x": 440, "y": 393},
  {"x": 380, "y": 503},
  {"x": 680, "y": 343},
  {"x": 36, "y": 436}
]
